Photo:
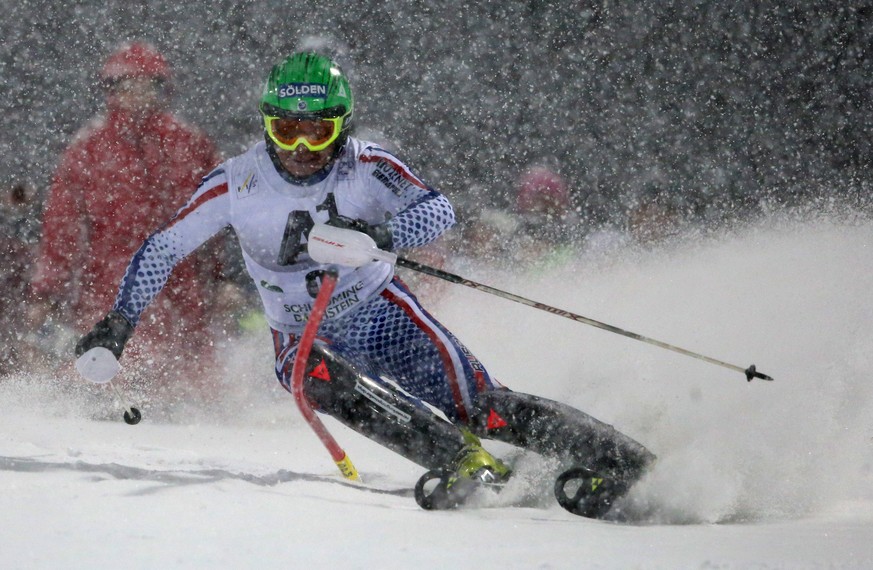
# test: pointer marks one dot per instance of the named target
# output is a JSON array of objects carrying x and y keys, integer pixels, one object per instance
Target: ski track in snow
[{"x": 750, "y": 475}]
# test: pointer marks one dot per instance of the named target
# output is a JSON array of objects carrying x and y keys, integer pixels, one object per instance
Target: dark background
[{"x": 730, "y": 109}]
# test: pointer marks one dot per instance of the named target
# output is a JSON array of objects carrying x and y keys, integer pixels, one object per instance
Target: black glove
[
  {"x": 380, "y": 233},
  {"x": 111, "y": 332}
]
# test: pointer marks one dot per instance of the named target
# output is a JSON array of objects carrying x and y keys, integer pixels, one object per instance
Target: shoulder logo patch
[
  {"x": 391, "y": 177},
  {"x": 249, "y": 186}
]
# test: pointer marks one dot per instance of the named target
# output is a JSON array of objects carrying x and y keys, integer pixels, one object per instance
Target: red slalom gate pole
[{"x": 339, "y": 456}]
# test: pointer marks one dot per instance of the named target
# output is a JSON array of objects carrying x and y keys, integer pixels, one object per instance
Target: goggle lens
[{"x": 314, "y": 134}]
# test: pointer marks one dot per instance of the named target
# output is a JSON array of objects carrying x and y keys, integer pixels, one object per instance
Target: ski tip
[{"x": 430, "y": 491}]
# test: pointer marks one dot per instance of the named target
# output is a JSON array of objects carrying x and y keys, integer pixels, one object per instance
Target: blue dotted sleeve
[
  {"x": 144, "y": 278},
  {"x": 423, "y": 221}
]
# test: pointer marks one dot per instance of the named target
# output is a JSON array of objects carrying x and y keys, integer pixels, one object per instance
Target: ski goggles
[{"x": 314, "y": 133}]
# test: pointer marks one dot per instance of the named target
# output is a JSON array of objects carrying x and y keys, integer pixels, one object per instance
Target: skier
[
  {"x": 550, "y": 230},
  {"x": 385, "y": 355}
]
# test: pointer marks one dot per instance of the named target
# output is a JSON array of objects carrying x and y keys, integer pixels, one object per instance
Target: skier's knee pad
[
  {"x": 378, "y": 410},
  {"x": 558, "y": 430}
]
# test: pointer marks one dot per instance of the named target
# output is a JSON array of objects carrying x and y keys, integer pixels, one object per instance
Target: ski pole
[
  {"x": 329, "y": 244},
  {"x": 100, "y": 366},
  {"x": 340, "y": 457},
  {"x": 132, "y": 415},
  {"x": 751, "y": 372}
]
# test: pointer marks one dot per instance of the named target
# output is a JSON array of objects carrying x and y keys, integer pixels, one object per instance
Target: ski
[
  {"x": 577, "y": 490},
  {"x": 438, "y": 490}
]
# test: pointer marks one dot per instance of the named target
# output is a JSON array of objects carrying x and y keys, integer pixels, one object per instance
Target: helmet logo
[{"x": 316, "y": 90}]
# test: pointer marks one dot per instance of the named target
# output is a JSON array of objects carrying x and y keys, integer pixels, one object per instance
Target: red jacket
[{"x": 116, "y": 184}]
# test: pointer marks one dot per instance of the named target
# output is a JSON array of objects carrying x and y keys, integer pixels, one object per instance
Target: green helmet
[{"x": 308, "y": 86}]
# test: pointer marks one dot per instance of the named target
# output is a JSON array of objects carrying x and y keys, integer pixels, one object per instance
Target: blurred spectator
[
  {"x": 19, "y": 236},
  {"x": 492, "y": 233},
  {"x": 548, "y": 223},
  {"x": 488, "y": 235},
  {"x": 125, "y": 173},
  {"x": 653, "y": 217}
]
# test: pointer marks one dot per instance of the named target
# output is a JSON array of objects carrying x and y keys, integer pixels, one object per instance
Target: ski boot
[
  {"x": 586, "y": 493},
  {"x": 474, "y": 467}
]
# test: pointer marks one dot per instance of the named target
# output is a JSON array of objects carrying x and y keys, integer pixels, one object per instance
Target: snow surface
[{"x": 760, "y": 475}]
